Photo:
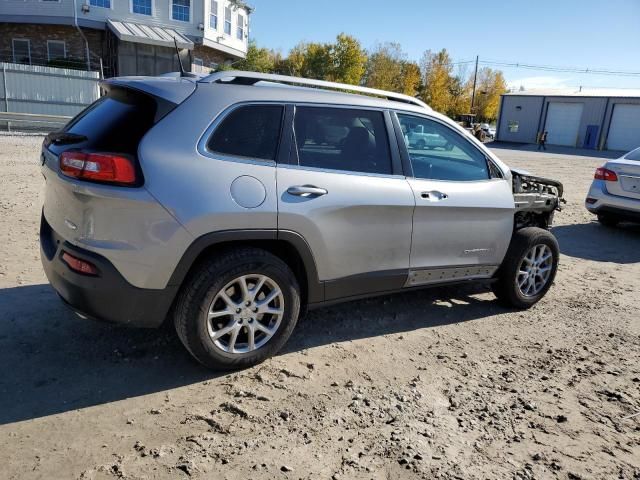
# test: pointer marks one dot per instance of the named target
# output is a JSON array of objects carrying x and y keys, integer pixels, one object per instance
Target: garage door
[
  {"x": 563, "y": 122},
  {"x": 624, "y": 132}
]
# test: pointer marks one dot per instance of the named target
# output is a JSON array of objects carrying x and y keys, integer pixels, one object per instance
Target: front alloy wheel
[
  {"x": 535, "y": 270},
  {"x": 528, "y": 269}
]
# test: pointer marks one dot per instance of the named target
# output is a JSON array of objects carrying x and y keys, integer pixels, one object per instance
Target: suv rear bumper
[{"x": 107, "y": 296}]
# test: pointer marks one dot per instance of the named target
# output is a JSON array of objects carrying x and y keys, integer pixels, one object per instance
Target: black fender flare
[{"x": 315, "y": 288}]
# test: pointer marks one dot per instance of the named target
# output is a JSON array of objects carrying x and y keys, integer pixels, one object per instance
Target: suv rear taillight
[
  {"x": 99, "y": 167},
  {"x": 605, "y": 174}
]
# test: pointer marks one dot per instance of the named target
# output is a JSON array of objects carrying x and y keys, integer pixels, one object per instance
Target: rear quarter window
[{"x": 251, "y": 131}]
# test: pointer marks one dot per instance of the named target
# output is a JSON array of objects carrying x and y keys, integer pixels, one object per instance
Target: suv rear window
[
  {"x": 116, "y": 122},
  {"x": 342, "y": 139},
  {"x": 251, "y": 131}
]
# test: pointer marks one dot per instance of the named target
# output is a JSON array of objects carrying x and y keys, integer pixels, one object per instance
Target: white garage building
[{"x": 599, "y": 119}]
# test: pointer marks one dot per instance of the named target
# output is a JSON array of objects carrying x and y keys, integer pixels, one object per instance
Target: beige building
[{"x": 124, "y": 37}]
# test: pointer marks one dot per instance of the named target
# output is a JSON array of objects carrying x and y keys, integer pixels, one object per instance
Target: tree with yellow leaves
[
  {"x": 436, "y": 68},
  {"x": 490, "y": 86}
]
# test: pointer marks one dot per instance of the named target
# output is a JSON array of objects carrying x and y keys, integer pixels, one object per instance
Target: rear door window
[
  {"x": 251, "y": 131},
  {"x": 342, "y": 139}
]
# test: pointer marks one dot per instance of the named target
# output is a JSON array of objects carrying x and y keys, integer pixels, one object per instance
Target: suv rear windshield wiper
[{"x": 64, "y": 138}]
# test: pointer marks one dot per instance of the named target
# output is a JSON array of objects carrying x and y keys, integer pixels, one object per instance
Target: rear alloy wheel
[
  {"x": 237, "y": 309},
  {"x": 245, "y": 313},
  {"x": 607, "y": 220},
  {"x": 528, "y": 269}
]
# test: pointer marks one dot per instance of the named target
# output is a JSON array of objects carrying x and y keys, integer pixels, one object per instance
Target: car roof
[
  {"x": 251, "y": 78},
  {"x": 267, "y": 91}
]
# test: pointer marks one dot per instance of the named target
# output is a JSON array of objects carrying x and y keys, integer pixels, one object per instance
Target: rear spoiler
[{"x": 170, "y": 88}]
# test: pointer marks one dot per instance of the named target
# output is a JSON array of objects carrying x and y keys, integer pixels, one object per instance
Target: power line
[
  {"x": 547, "y": 68},
  {"x": 550, "y": 68}
]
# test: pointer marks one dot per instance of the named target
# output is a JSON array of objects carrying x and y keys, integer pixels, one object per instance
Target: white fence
[{"x": 46, "y": 90}]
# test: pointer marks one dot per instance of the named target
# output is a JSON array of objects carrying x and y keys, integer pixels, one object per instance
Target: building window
[
  {"x": 143, "y": 7},
  {"x": 213, "y": 65},
  {"x": 181, "y": 10},
  {"x": 100, "y": 3},
  {"x": 213, "y": 15},
  {"x": 227, "y": 20},
  {"x": 56, "y": 49},
  {"x": 513, "y": 126},
  {"x": 21, "y": 51},
  {"x": 240, "y": 28}
]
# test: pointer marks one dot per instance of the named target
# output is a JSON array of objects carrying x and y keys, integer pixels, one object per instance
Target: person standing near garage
[{"x": 542, "y": 140}]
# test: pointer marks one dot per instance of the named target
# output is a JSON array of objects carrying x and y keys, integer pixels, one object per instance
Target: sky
[{"x": 565, "y": 33}]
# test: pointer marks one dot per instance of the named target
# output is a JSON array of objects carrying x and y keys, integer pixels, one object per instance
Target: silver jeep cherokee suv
[{"x": 234, "y": 201}]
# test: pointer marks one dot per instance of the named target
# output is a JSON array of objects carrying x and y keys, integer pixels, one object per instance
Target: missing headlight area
[{"x": 536, "y": 200}]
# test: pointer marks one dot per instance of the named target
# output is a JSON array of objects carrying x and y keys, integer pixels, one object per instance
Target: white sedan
[{"x": 615, "y": 192}]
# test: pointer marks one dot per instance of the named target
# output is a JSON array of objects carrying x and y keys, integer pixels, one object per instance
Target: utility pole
[{"x": 475, "y": 78}]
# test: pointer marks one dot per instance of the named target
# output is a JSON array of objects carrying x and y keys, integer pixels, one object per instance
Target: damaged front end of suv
[{"x": 536, "y": 199}]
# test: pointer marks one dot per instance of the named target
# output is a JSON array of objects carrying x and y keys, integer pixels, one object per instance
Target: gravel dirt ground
[{"x": 441, "y": 383}]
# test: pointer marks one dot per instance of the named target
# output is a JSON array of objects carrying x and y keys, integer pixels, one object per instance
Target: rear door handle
[
  {"x": 306, "y": 191},
  {"x": 434, "y": 195}
]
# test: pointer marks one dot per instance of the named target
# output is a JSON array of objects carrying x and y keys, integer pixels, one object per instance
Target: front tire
[
  {"x": 238, "y": 309},
  {"x": 529, "y": 268}
]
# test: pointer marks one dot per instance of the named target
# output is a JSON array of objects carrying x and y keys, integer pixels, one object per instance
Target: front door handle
[
  {"x": 434, "y": 195},
  {"x": 306, "y": 191}
]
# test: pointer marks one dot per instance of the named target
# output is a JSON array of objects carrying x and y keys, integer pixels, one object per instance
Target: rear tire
[
  {"x": 223, "y": 314},
  {"x": 607, "y": 220},
  {"x": 529, "y": 268}
]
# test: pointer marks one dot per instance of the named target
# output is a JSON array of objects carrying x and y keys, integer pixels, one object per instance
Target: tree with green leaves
[
  {"x": 258, "y": 59},
  {"x": 343, "y": 61},
  {"x": 348, "y": 60},
  {"x": 384, "y": 67}
]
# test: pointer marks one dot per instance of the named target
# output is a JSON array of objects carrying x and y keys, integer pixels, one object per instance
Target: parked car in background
[
  {"x": 419, "y": 137},
  {"x": 488, "y": 130},
  {"x": 614, "y": 195},
  {"x": 161, "y": 201}
]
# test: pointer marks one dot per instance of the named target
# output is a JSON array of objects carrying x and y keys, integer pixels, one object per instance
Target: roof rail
[{"x": 250, "y": 78}]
